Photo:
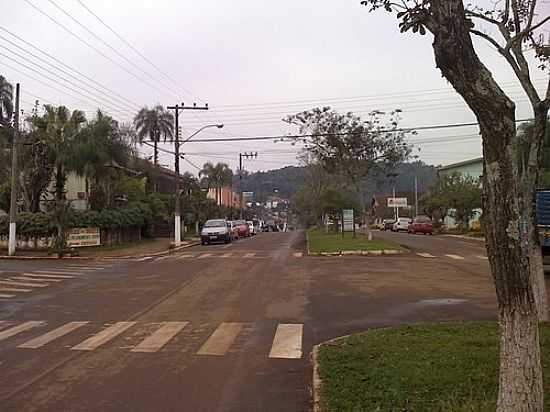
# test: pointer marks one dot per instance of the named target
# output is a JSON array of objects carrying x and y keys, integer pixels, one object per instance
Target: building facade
[{"x": 471, "y": 168}]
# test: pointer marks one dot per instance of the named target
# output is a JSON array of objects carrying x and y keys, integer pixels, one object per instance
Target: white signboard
[
  {"x": 397, "y": 202},
  {"x": 85, "y": 236},
  {"x": 348, "y": 221}
]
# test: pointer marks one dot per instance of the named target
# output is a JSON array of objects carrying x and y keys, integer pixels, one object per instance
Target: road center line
[
  {"x": 8, "y": 333},
  {"x": 160, "y": 337},
  {"x": 52, "y": 335},
  {"x": 287, "y": 343},
  {"x": 104, "y": 336},
  {"x": 220, "y": 341},
  {"x": 455, "y": 257}
]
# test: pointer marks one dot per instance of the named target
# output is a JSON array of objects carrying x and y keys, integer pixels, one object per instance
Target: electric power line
[
  {"x": 66, "y": 66},
  {"x": 138, "y": 52},
  {"x": 92, "y": 47},
  {"x": 101, "y": 96}
]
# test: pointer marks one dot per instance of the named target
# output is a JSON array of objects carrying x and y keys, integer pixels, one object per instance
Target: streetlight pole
[
  {"x": 177, "y": 211},
  {"x": 246, "y": 156},
  {"x": 13, "y": 196}
]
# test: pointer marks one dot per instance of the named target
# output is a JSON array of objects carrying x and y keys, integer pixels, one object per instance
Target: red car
[
  {"x": 421, "y": 224},
  {"x": 242, "y": 228}
]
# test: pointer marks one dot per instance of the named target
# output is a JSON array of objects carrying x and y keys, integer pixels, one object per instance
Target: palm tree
[
  {"x": 154, "y": 124},
  {"x": 59, "y": 132},
  {"x": 6, "y": 100},
  {"x": 216, "y": 176}
]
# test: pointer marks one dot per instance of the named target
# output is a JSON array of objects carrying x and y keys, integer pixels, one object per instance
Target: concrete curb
[
  {"x": 161, "y": 253},
  {"x": 479, "y": 239},
  {"x": 316, "y": 382},
  {"x": 380, "y": 252}
]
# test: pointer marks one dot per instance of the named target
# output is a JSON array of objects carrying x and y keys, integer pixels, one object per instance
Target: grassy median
[
  {"x": 447, "y": 367},
  {"x": 320, "y": 241}
]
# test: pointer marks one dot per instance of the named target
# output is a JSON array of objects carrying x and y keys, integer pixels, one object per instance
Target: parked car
[
  {"x": 402, "y": 223},
  {"x": 216, "y": 230},
  {"x": 251, "y": 227},
  {"x": 242, "y": 228},
  {"x": 388, "y": 224},
  {"x": 421, "y": 224}
]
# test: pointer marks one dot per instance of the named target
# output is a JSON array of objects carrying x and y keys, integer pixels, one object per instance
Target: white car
[{"x": 401, "y": 224}]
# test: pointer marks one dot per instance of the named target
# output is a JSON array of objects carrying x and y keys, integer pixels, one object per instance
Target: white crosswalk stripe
[
  {"x": 482, "y": 257},
  {"x": 185, "y": 256},
  {"x": 205, "y": 255},
  {"x": 85, "y": 268},
  {"x": 226, "y": 255},
  {"x": 6, "y": 296},
  {"x": 54, "y": 272},
  {"x": 24, "y": 284},
  {"x": 249, "y": 255},
  {"x": 33, "y": 279},
  {"x": 143, "y": 259},
  {"x": 425, "y": 255},
  {"x": 38, "y": 275},
  {"x": 4, "y": 289},
  {"x": 104, "y": 336},
  {"x": 298, "y": 254},
  {"x": 220, "y": 341},
  {"x": 52, "y": 335},
  {"x": 287, "y": 343},
  {"x": 8, "y": 333},
  {"x": 160, "y": 337},
  {"x": 455, "y": 257}
]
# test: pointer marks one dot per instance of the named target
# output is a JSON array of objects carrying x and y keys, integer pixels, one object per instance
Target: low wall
[{"x": 108, "y": 238}]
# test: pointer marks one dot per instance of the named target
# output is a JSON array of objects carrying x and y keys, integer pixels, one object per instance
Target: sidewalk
[{"x": 149, "y": 247}]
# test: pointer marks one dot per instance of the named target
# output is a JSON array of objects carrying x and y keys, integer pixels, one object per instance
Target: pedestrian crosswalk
[
  {"x": 452, "y": 256},
  {"x": 217, "y": 255},
  {"x": 285, "y": 340},
  {"x": 15, "y": 283}
]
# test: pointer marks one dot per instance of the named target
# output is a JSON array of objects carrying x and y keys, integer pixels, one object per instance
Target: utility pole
[
  {"x": 416, "y": 196},
  {"x": 177, "y": 211},
  {"x": 246, "y": 156},
  {"x": 13, "y": 196}
]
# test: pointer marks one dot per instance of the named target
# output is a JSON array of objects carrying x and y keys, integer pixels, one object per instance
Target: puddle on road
[{"x": 438, "y": 302}]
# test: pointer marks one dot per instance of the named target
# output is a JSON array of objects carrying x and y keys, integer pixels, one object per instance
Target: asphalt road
[{"x": 214, "y": 328}]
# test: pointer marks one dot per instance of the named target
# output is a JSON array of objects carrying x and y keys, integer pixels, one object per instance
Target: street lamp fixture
[{"x": 219, "y": 126}]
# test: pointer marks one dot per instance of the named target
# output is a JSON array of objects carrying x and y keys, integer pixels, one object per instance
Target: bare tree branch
[
  {"x": 485, "y": 36},
  {"x": 515, "y": 11},
  {"x": 525, "y": 32},
  {"x": 506, "y": 14},
  {"x": 477, "y": 15},
  {"x": 547, "y": 98}
]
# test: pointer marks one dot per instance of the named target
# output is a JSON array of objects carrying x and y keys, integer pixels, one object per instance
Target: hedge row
[{"x": 41, "y": 224}]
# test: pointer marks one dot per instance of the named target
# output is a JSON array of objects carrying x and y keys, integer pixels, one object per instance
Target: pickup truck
[{"x": 543, "y": 220}]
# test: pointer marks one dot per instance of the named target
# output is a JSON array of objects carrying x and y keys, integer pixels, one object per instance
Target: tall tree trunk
[
  {"x": 59, "y": 182},
  {"x": 155, "y": 153},
  {"x": 506, "y": 224}
]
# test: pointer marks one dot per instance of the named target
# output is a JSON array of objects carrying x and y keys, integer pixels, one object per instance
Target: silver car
[{"x": 216, "y": 230}]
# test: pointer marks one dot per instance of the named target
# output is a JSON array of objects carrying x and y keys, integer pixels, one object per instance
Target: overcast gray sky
[{"x": 253, "y": 61}]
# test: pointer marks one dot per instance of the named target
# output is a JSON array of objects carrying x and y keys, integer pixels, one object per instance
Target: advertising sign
[
  {"x": 85, "y": 236},
  {"x": 348, "y": 224},
  {"x": 397, "y": 202}
]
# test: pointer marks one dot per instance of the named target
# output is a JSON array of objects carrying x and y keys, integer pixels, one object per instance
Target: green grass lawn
[
  {"x": 320, "y": 241},
  {"x": 448, "y": 367}
]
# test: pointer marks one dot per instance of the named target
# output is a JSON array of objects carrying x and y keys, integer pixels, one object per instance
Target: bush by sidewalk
[{"x": 429, "y": 368}]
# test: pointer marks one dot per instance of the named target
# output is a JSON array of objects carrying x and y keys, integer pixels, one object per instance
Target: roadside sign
[
  {"x": 348, "y": 223},
  {"x": 397, "y": 202},
  {"x": 86, "y": 236}
]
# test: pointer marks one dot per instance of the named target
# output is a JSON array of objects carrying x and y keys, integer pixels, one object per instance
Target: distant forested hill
[{"x": 290, "y": 179}]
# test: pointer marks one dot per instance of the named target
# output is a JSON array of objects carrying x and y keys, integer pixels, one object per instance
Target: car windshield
[{"x": 215, "y": 223}]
